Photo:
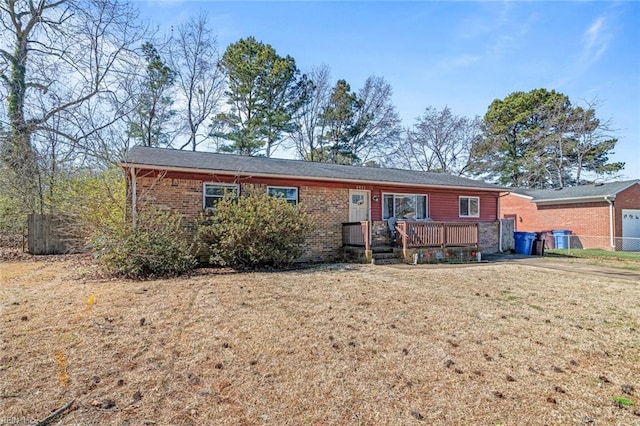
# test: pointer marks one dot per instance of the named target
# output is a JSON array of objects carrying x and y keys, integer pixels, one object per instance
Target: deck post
[
  {"x": 366, "y": 234},
  {"x": 365, "y": 228},
  {"x": 444, "y": 235},
  {"x": 402, "y": 226}
]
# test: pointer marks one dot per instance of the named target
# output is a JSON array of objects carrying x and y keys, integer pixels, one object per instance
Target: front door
[{"x": 358, "y": 205}]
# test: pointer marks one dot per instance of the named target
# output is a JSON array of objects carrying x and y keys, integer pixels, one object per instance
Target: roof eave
[
  {"x": 631, "y": 183},
  {"x": 520, "y": 195},
  {"x": 575, "y": 200},
  {"x": 313, "y": 178},
  {"x": 602, "y": 197}
]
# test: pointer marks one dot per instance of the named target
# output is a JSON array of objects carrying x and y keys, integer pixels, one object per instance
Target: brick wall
[
  {"x": 328, "y": 207},
  {"x": 179, "y": 195},
  {"x": 521, "y": 207},
  {"x": 585, "y": 220}
]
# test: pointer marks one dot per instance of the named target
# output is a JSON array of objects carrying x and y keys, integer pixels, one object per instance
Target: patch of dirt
[{"x": 333, "y": 344}]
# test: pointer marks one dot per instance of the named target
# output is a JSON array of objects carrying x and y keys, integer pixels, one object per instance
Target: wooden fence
[
  {"x": 356, "y": 234},
  {"x": 508, "y": 227},
  {"x": 52, "y": 234}
]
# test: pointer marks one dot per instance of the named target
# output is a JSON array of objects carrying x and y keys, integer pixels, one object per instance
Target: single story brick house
[
  {"x": 351, "y": 205},
  {"x": 603, "y": 215}
]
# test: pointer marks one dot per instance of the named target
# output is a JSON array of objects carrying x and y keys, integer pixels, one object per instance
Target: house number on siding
[{"x": 361, "y": 187}]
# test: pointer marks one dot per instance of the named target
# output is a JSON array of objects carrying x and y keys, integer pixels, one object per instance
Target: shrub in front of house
[
  {"x": 156, "y": 247},
  {"x": 254, "y": 231}
]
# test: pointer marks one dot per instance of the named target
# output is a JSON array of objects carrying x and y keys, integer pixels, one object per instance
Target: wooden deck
[
  {"x": 410, "y": 234},
  {"x": 416, "y": 234}
]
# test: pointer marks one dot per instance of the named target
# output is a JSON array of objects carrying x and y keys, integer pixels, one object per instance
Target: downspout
[
  {"x": 612, "y": 242},
  {"x": 134, "y": 197}
]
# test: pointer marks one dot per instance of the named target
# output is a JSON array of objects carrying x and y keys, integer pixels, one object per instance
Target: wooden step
[
  {"x": 388, "y": 261},
  {"x": 390, "y": 255},
  {"x": 382, "y": 249}
]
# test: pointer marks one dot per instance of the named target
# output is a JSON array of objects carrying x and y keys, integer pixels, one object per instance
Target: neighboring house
[
  {"x": 603, "y": 215},
  {"x": 339, "y": 197}
]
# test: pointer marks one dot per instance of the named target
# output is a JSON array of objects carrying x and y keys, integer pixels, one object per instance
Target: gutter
[
  {"x": 572, "y": 200},
  {"x": 612, "y": 241},
  {"x": 312, "y": 178}
]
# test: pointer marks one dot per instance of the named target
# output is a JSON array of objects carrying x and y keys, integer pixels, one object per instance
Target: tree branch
[{"x": 55, "y": 414}]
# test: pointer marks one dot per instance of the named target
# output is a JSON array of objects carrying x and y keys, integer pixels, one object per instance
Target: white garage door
[{"x": 630, "y": 230}]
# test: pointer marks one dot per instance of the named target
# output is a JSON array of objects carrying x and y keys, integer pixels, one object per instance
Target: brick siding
[
  {"x": 589, "y": 222},
  {"x": 329, "y": 207}
]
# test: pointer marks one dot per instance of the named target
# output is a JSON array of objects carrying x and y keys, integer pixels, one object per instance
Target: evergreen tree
[
  {"x": 538, "y": 139},
  {"x": 263, "y": 94},
  {"x": 339, "y": 120},
  {"x": 154, "y": 113}
]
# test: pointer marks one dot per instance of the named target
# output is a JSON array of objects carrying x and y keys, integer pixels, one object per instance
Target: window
[
  {"x": 214, "y": 192},
  {"x": 289, "y": 194},
  {"x": 404, "y": 206},
  {"x": 358, "y": 199},
  {"x": 469, "y": 206}
]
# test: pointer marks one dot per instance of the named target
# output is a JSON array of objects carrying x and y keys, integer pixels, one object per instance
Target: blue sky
[{"x": 457, "y": 54}]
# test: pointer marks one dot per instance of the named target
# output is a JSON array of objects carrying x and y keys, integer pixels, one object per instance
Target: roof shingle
[
  {"x": 576, "y": 192},
  {"x": 158, "y": 158}
]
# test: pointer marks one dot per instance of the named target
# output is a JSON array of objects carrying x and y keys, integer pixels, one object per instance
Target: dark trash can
[
  {"x": 523, "y": 242},
  {"x": 561, "y": 238},
  {"x": 539, "y": 243}
]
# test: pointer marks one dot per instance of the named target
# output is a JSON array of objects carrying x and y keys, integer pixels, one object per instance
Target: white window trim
[
  {"x": 468, "y": 197},
  {"x": 393, "y": 194},
  {"x": 226, "y": 185},
  {"x": 287, "y": 187}
]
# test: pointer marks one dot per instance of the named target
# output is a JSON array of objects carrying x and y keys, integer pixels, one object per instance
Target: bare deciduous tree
[
  {"x": 309, "y": 125},
  {"x": 199, "y": 80},
  {"x": 440, "y": 141},
  {"x": 377, "y": 126},
  {"x": 57, "y": 58}
]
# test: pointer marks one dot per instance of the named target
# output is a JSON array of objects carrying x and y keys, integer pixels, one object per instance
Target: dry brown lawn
[
  {"x": 491, "y": 344},
  {"x": 632, "y": 264}
]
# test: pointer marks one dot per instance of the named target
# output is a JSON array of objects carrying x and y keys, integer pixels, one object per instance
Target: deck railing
[
  {"x": 437, "y": 234},
  {"x": 356, "y": 234}
]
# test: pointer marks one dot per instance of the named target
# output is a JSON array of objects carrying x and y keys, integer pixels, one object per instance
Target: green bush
[
  {"x": 254, "y": 231},
  {"x": 96, "y": 199},
  {"x": 156, "y": 247}
]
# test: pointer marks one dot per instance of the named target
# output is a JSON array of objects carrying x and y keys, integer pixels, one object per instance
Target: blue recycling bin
[
  {"x": 561, "y": 238},
  {"x": 524, "y": 242}
]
